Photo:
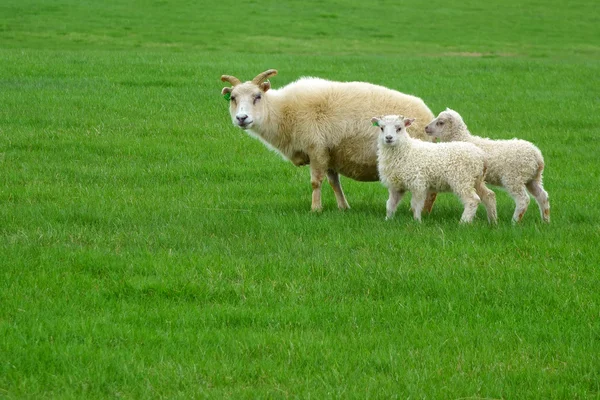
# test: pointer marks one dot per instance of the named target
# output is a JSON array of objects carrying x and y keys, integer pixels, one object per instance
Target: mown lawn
[{"x": 148, "y": 249}]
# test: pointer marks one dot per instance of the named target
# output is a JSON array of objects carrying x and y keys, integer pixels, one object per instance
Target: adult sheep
[{"x": 322, "y": 123}]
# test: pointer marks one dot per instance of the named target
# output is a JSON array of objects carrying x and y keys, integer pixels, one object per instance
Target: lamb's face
[
  {"x": 391, "y": 127},
  {"x": 443, "y": 126},
  {"x": 437, "y": 126},
  {"x": 246, "y": 104}
]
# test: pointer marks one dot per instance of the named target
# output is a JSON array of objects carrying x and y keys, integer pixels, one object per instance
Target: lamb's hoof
[{"x": 546, "y": 216}]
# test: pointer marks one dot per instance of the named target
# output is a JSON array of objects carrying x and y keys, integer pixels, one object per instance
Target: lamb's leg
[
  {"x": 470, "y": 200},
  {"x": 416, "y": 204},
  {"x": 392, "y": 203},
  {"x": 488, "y": 197},
  {"x": 521, "y": 198},
  {"x": 334, "y": 180},
  {"x": 541, "y": 197},
  {"x": 431, "y": 196}
]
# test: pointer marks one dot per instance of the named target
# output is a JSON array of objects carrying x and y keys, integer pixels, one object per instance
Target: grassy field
[{"x": 148, "y": 249}]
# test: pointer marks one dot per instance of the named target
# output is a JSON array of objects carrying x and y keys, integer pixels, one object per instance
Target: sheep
[
  {"x": 321, "y": 123},
  {"x": 516, "y": 165},
  {"x": 407, "y": 164}
]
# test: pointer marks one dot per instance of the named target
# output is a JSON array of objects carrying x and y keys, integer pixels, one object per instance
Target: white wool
[
  {"x": 407, "y": 164},
  {"x": 514, "y": 164},
  {"x": 323, "y": 123}
]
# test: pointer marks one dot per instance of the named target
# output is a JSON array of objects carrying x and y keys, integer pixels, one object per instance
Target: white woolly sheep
[
  {"x": 321, "y": 123},
  {"x": 407, "y": 164},
  {"x": 515, "y": 164}
]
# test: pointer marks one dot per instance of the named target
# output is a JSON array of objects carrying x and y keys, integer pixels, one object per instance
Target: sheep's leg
[
  {"x": 392, "y": 203},
  {"x": 431, "y": 196},
  {"x": 416, "y": 204},
  {"x": 316, "y": 180},
  {"x": 470, "y": 201},
  {"x": 541, "y": 197},
  {"x": 521, "y": 198},
  {"x": 334, "y": 180},
  {"x": 318, "y": 170},
  {"x": 488, "y": 197}
]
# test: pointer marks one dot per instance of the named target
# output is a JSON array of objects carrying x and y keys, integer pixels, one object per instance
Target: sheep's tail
[
  {"x": 539, "y": 172},
  {"x": 540, "y": 168}
]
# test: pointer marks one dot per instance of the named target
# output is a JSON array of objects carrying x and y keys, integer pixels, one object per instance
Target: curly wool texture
[
  {"x": 512, "y": 161},
  {"x": 514, "y": 164},
  {"x": 417, "y": 166},
  {"x": 408, "y": 164}
]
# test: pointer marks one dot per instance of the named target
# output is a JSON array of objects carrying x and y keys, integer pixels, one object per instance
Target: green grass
[{"x": 148, "y": 249}]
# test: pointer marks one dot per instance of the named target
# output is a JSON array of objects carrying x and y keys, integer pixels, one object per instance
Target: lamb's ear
[
  {"x": 375, "y": 121},
  {"x": 226, "y": 92},
  {"x": 408, "y": 122},
  {"x": 265, "y": 86}
]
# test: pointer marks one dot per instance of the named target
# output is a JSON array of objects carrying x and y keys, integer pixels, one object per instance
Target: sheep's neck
[
  {"x": 461, "y": 135},
  {"x": 475, "y": 140}
]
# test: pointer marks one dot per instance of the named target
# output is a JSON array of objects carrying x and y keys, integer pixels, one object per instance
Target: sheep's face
[
  {"x": 246, "y": 103},
  {"x": 445, "y": 123},
  {"x": 437, "y": 127},
  {"x": 391, "y": 127}
]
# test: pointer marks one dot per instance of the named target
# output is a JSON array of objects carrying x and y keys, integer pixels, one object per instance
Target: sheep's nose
[
  {"x": 389, "y": 138},
  {"x": 241, "y": 118}
]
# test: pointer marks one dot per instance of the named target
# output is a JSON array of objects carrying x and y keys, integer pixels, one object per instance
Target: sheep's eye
[
  {"x": 381, "y": 128},
  {"x": 257, "y": 98},
  {"x": 232, "y": 98},
  {"x": 398, "y": 129}
]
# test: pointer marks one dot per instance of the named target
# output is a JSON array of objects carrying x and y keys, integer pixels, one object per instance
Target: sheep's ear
[
  {"x": 375, "y": 121},
  {"x": 265, "y": 86},
  {"x": 408, "y": 122},
  {"x": 226, "y": 92}
]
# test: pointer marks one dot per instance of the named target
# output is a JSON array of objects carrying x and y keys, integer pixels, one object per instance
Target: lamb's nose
[
  {"x": 242, "y": 117},
  {"x": 388, "y": 138}
]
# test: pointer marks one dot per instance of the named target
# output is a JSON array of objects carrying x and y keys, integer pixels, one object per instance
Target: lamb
[
  {"x": 321, "y": 123},
  {"x": 407, "y": 164},
  {"x": 516, "y": 165}
]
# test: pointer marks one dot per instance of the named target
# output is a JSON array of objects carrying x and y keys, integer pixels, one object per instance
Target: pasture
[{"x": 149, "y": 249}]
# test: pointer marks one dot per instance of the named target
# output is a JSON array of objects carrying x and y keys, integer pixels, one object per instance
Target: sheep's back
[
  {"x": 337, "y": 116},
  {"x": 513, "y": 160}
]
